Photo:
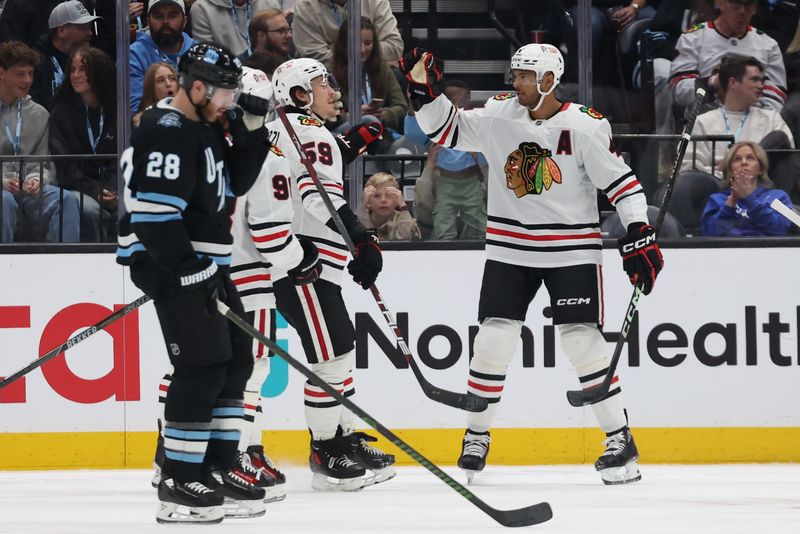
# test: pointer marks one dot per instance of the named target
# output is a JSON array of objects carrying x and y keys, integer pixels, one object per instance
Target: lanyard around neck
[
  {"x": 366, "y": 97},
  {"x": 58, "y": 75},
  {"x": 14, "y": 140},
  {"x": 235, "y": 18},
  {"x": 728, "y": 127},
  {"x": 94, "y": 141}
]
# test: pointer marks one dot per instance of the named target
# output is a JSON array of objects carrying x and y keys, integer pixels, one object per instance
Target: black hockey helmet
[{"x": 210, "y": 63}]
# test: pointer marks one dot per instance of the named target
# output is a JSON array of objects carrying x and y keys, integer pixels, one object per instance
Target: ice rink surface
[{"x": 670, "y": 499}]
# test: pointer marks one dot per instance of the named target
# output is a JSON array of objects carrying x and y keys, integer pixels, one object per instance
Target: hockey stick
[
  {"x": 464, "y": 401},
  {"x": 584, "y": 397},
  {"x": 74, "y": 340},
  {"x": 521, "y": 517},
  {"x": 786, "y": 211}
]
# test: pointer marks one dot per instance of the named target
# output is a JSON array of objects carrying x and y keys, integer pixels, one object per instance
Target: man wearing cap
[
  {"x": 165, "y": 41},
  {"x": 70, "y": 26},
  {"x": 25, "y": 20}
]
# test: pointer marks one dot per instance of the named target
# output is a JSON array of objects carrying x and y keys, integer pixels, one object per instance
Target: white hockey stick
[{"x": 786, "y": 211}]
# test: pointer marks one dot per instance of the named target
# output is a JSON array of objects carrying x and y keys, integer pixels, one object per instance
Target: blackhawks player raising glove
[{"x": 546, "y": 160}]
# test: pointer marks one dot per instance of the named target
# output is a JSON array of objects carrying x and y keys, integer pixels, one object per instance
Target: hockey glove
[
  {"x": 424, "y": 74},
  {"x": 367, "y": 261},
  {"x": 309, "y": 268},
  {"x": 355, "y": 141},
  {"x": 641, "y": 256},
  {"x": 254, "y": 110},
  {"x": 201, "y": 274}
]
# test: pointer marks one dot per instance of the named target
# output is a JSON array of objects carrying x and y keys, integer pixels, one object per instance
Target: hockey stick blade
[
  {"x": 786, "y": 211},
  {"x": 593, "y": 394},
  {"x": 470, "y": 403},
  {"x": 74, "y": 340},
  {"x": 530, "y": 515}
]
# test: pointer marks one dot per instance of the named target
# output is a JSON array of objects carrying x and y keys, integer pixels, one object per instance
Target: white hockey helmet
[
  {"x": 296, "y": 73},
  {"x": 256, "y": 83},
  {"x": 541, "y": 59}
]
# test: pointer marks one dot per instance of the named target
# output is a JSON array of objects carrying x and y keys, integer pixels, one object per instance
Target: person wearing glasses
[
  {"x": 227, "y": 22},
  {"x": 270, "y": 32}
]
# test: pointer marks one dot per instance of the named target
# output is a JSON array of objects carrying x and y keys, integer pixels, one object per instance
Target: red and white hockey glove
[
  {"x": 424, "y": 74},
  {"x": 308, "y": 270},
  {"x": 641, "y": 256},
  {"x": 357, "y": 139}
]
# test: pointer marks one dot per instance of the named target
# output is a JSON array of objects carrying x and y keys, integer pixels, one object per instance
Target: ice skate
[
  {"x": 261, "y": 461},
  {"x": 261, "y": 479},
  {"x": 189, "y": 502},
  {"x": 380, "y": 464},
  {"x": 617, "y": 465},
  {"x": 474, "y": 449},
  {"x": 242, "y": 497},
  {"x": 158, "y": 460},
  {"x": 333, "y": 466}
]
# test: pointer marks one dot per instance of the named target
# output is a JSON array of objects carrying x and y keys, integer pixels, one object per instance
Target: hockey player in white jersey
[
  {"x": 546, "y": 161},
  {"x": 284, "y": 236}
]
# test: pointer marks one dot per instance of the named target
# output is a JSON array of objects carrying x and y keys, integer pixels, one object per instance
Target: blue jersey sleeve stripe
[
  {"x": 126, "y": 252},
  {"x": 161, "y": 198},
  {"x": 154, "y": 217}
]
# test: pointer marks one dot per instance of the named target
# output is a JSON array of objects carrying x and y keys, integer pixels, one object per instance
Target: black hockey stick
[
  {"x": 521, "y": 517},
  {"x": 74, "y": 340},
  {"x": 584, "y": 397},
  {"x": 464, "y": 401}
]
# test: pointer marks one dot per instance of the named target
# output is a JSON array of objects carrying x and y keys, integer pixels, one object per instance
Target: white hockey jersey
[
  {"x": 702, "y": 47},
  {"x": 543, "y": 177},
  {"x": 309, "y": 213}
]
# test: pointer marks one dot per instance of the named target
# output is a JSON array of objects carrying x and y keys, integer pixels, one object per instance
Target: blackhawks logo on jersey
[
  {"x": 530, "y": 169},
  {"x": 309, "y": 121},
  {"x": 275, "y": 150},
  {"x": 593, "y": 113},
  {"x": 504, "y": 96}
]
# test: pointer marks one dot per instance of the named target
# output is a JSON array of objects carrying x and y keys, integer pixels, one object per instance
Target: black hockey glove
[
  {"x": 201, "y": 274},
  {"x": 424, "y": 74},
  {"x": 309, "y": 268},
  {"x": 367, "y": 261},
  {"x": 355, "y": 141},
  {"x": 641, "y": 256}
]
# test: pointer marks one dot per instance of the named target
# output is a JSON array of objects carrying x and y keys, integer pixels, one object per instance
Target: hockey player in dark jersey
[
  {"x": 546, "y": 161},
  {"x": 175, "y": 239}
]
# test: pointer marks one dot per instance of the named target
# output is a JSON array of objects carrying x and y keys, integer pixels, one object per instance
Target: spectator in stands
[
  {"x": 83, "y": 121},
  {"x": 227, "y": 22},
  {"x": 459, "y": 177},
  {"x": 385, "y": 209},
  {"x": 264, "y": 60},
  {"x": 381, "y": 96},
  {"x": 165, "y": 42},
  {"x": 28, "y": 185},
  {"x": 701, "y": 49},
  {"x": 743, "y": 207},
  {"x": 25, "y": 20},
  {"x": 270, "y": 31},
  {"x": 316, "y": 24},
  {"x": 106, "y": 38},
  {"x": 160, "y": 81},
  {"x": 741, "y": 80},
  {"x": 611, "y": 16},
  {"x": 70, "y": 29}
]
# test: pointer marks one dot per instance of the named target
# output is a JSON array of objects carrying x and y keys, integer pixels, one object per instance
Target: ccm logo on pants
[{"x": 575, "y": 301}]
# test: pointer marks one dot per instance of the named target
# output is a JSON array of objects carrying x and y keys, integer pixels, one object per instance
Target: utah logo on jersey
[{"x": 530, "y": 169}]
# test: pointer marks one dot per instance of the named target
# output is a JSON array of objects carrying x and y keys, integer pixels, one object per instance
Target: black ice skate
[
  {"x": 242, "y": 497},
  {"x": 261, "y": 461},
  {"x": 188, "y": 502},
  {"x": 618, "y": 464},
  {"x": 333, "y": 466},
  {"x": 260, "y": 478},
  {"x": 474, "y": 449},
  {"x": 380, "y": 464},
  {"x": 158, "y": 460}
]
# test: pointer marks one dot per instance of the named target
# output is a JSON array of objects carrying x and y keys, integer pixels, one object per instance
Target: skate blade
[
  {"x": 320, "y": 482},
  {"x": 275, "y": 493},
  {"x": 379, "y": 475},
  {"x": 241, "y": 509},
  {"x": 169, "y": 512},
  {"x": 470, "y": 475},
  {"x": 621, "y": 475},
  {"x": 156, "y": 479}
]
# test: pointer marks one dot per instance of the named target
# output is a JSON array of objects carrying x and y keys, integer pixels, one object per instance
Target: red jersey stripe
[{"x": 558, "y": 237}]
